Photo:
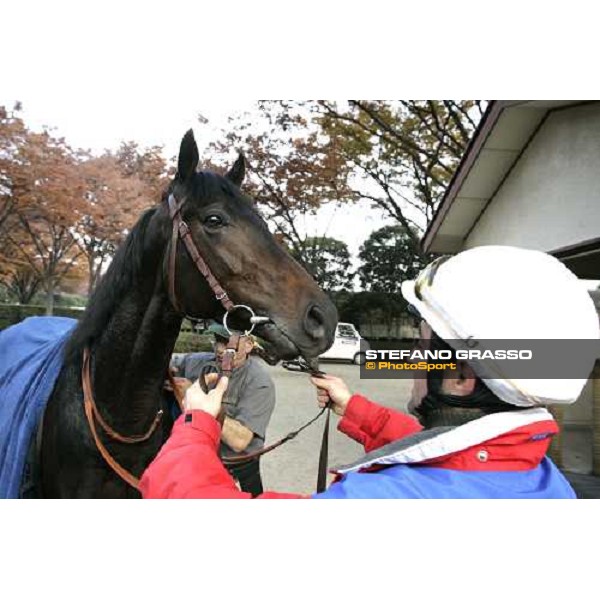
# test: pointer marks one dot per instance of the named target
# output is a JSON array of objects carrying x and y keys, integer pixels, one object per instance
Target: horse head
[{"x": 248, "y": 262}]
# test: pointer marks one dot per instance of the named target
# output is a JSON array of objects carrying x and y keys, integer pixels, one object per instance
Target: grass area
[
  {"x": 70, "y": 300},
  {"x": 10, "y": 314},
  {"x": 192, "y": 342}
]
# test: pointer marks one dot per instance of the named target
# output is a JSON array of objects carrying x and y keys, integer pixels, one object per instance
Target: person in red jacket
[
  {"x": 474, "y": 437},
  {"x": 188, "y": 465}
]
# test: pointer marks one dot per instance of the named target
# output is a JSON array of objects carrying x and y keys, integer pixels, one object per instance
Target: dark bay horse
[{"x": 130, "y": 325}]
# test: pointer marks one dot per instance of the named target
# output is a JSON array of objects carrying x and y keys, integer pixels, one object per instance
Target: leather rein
[
  {"x": 182, "y": 231},
  {"x": 92, "y": 414}
]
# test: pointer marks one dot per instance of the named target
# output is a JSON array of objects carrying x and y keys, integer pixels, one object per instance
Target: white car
[{"x": 347, "y": 345}]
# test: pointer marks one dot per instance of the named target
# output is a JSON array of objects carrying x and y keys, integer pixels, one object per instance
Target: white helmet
[{"x": 503, "y": 292}]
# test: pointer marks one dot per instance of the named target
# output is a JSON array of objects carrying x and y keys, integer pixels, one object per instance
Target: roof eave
[{"x": 485, "y": 127}]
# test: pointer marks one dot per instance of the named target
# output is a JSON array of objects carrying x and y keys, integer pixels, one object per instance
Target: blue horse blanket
[{"x": 31, "y": 357}]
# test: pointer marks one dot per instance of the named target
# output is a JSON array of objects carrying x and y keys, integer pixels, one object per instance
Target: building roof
[{"x": 503, "y": 134}]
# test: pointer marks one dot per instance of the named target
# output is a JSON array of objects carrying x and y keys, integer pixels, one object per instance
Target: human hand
[
  {"x": 196, "y": 399},
  {"x": 334, "y": 389}
]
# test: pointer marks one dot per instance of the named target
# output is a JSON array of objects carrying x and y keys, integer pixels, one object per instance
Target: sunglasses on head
[{"x": 425, "y": 277}]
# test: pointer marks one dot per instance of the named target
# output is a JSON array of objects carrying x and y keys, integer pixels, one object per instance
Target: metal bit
[{"x": 256, "y": 320}]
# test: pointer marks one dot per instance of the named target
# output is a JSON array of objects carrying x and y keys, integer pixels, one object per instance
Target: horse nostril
[{"x": 314, "y": 322}]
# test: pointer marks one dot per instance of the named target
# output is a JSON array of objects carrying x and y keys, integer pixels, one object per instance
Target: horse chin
[{"x": 281, "y": 344}]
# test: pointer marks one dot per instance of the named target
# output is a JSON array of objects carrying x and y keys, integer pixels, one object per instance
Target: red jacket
[{"x": 188, "y": 465}]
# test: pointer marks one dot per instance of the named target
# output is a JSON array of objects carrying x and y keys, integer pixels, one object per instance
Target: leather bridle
[
  {"x": 181, "y": 230},
  {"x": 92, "y": 414}
]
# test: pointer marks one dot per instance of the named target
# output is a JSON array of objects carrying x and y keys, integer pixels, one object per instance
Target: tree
[
  {"x": 405, "y": 150},
  {"x": 18, "y": 279},
  {"x": 13, "y": 136},
  {"x": 389, "y": 257},
  {"x": 371, "y": 311},
  {"x": 55, "y": 251},
  {"x": 22, "y": 283},
  {"x": 113, "y": 203},
  {"x": 147, "y": 165},
  {"x": 328, "y": 261},
  {"x": 48, "y": 200},
  {"x": 293, "y": 168},
  {"x": 57, "y": 204}
]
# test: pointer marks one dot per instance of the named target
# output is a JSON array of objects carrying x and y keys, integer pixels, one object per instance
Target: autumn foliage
[{"x": 64, "y": 211}]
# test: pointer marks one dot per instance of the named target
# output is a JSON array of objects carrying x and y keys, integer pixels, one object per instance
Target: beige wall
[
  {"x": 551, "y": 198},
  {"x": 581, "y": 412}
]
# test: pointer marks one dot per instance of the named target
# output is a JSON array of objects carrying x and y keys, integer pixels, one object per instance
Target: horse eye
[{"x": 214, "y": 221}]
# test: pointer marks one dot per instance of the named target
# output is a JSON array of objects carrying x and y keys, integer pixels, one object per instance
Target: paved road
[{"x": 293, "y": 467}]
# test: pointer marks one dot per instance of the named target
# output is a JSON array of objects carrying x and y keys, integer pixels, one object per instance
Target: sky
[
  {"x": 101, "y": 72},
  {"x": 128, "y": 85},
  {"x": 140, "y": 121}
]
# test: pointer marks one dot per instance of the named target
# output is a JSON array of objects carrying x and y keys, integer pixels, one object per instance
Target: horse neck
[{"x": 131, "y": 358}]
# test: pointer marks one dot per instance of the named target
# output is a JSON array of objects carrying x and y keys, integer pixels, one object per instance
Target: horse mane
[{"x": 118, "y": 279}]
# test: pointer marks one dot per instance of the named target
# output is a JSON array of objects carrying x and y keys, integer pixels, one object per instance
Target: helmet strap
[
  {"x": 440, "y": 409},
  {"x": 433, "y": 412}
]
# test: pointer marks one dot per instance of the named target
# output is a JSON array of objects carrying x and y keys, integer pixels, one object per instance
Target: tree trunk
[
  {"x": 50, "y": 299},
  {"x": 93, "y": 275},
  {"x": 26, "y": 292},
  {"x": 24, "y": 296},
  {"x": 91, "y": 283}
]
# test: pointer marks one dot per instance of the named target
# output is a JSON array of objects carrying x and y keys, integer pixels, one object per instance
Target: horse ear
[
  {"x": 188, "y": 157},
  {"x": 237, "y": 172}
]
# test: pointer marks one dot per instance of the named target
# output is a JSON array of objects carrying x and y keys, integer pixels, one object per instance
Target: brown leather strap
[
  {"x": 231, "y": 351},
  {"x": 88, "y": 397},
  {"x": 220, "y": 293},
  {"x": 182, "y": 230},
  {"x": 243, "y": 458},
  {"x": 172, "y": 267},
  {"x": 322, "y": 470},
  {"x": 132, "y": 480},
  {"x": 92, "y": 413}
]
